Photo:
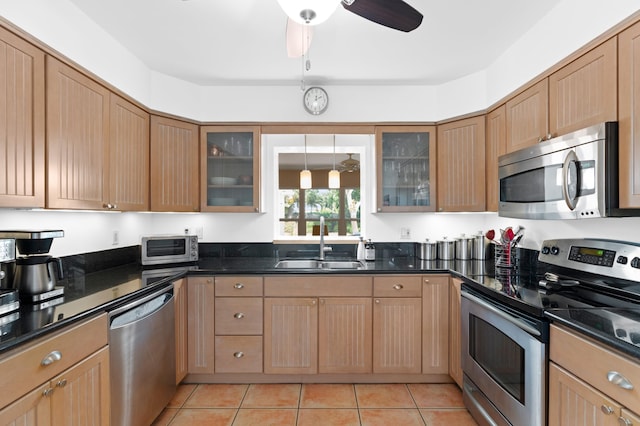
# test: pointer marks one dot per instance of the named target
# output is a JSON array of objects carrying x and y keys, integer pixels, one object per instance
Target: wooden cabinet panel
[
  {"x": 345, "y": 335},
  {"x": 461, "y": 165},
  {"x": 201, "y": 337},
  {"x": 238, "y": 354},
  {"x": 435, "y": 324},
  {"x": 318, "y": 286},
  {"x": 174, "y": 165},
  {"x": 455, "y": 331},
  {"x": 573, "y": 402},
  {"x": 230, "y": 286},
  {"x": 629, "y": 416},
  {"x": 528, "y": 116},
  {"x": 290, "y": 335},
  {"x": 33, "y": 409},
  {"x": 77, "y": 139},
  {"x": 182, "y": 346},
  {"x": 397, "y": 340},
  {"x": 584, "y": 92},
  {"x": 129, "y": 159},
  {"x": 238, "y": 316},
  {"x": 397, "y": 286},
  {"x": 22, "y": 120},
  {"x": 629, "y": 116},
  {"x": 496, "y": 145}
]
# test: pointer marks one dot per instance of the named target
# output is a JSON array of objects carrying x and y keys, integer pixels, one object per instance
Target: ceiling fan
[
  {"x": 349, "y": 165},
  {"x": 304, "y": 14}
]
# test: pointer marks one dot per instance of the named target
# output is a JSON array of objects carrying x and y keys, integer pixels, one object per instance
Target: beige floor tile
[
  {"x": 393, "y": 416},
  {"x": 165, "y": 417},
  {"x": 328, "y": 417},
  {"x": 182, "y": 393},
  {"x": 272, "y": 396},
  {"x": 436, "y": 395},
  {"x": 265, "y": 417},
  {"x": 384, "y": 396},
  {"x": 204, "y": 417},
  {"x": 448, "y": 417},
  {"x": 216, "y": 396},
  {"x": 328, "y": 396}
]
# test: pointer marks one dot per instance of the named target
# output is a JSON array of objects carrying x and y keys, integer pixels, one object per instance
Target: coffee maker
[{"x": 9, "y": 301}]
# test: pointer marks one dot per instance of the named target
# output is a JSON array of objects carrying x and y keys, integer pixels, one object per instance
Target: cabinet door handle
[
  {"x": 47, "y": 392},
  {"x": 377, "y": 300},
  {"x": 238, "y": 315},
  {"x": 238, "y": 354},
  {"x": 606, "y": 409},
  {"x": 623, "y": 421},
  {"x": 618, "y": 379},
  {"x": 62, "y": 383},
  {"x": 238, "y": 286},
  {"x": 398, "y": 287},
  {"x": 51, "y": 358}
]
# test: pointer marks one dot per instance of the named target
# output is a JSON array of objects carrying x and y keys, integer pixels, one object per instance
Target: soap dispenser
[{"x": 360, "y": 252}]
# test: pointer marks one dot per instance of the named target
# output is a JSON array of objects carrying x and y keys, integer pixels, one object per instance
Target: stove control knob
[
  {"x": 555, "y": 250},
  {"x": 622, "y": 260},
  {"x": 635, "y": 262},
  {"x": 635, "y": 338},
  {"x": 545, "y": 250}
]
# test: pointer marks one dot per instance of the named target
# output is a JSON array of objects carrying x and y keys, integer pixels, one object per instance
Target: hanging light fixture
[
  {"x": 334, "y": 175},
  {"x": 305, "y": 175},
  {"x": 309, "y": 12}
]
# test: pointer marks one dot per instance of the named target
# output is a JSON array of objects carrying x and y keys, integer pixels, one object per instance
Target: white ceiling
[{"x": 242, "y": 42}]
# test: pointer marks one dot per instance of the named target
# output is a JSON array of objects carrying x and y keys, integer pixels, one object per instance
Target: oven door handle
[{"x": 515, "y": 321}]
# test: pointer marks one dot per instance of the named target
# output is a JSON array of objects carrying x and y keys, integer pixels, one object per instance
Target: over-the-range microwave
[
  {"x": 167, "y": 249},
  {"x": 574, "y": 176}
]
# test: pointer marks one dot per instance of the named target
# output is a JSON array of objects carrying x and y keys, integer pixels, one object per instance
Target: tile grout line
[
  {"x": 235, "y": 416},
  {"x": 355, "y": 394},
  {"x": 413, "y": 398}
]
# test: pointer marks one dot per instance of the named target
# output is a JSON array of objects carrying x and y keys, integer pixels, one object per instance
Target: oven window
[
  {"x": 498, "y": 355},
  {"x": 166, "y": 247}
]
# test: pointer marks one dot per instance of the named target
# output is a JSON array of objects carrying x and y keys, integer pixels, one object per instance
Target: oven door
[{"x": 504, "y": 362}]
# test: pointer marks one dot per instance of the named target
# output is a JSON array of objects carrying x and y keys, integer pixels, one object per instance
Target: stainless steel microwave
[
  {"x": 573, "y": 176},
  {"x": 160, "y": 250}
]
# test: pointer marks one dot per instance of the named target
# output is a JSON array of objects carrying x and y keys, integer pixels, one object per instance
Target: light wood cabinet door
[
  {"x": 572, "y": 402},
  {"x": 77, "y": 139},
  {"x": 630, "y": 417},
  {"x": 461, "y": 165},
  {"x": 174, "y": 166},
  {"x": 528, "y": 116},
  {"x": 22, "y": 120},
  {"x": 455, "y": 331},
  {"x": 496, "y": 145},
  {"x": 584, "y": 92},
  {"x": 397, "y": 335},
  {"x": 129, "y": 156},
  {"x": 181, "y": 313},
  {"x": 201, "y": 315},
  {"x": 33, "y": 409},
  {"x": 435, "y": 324},
  {"x": 629, "y": 116},
  {"x": 81, "y": 395},
  {"x": 290, "y": 335},
  {"x": 345, "y": 335}
]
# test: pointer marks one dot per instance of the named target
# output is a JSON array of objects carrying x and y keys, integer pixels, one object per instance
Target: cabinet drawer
[
  {"x": 235, "y": 286},
  {"x": 238, "y": 354},
  {"x": 594, "y": 364},
  {"x": 23, "y": 369},
  {"x": 238, "y": 316},
  {"x": 397, "y": 286},
  {"x": 318, "y": 286}
]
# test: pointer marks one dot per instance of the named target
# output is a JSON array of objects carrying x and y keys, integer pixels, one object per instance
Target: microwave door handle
[{"x": 570, "y": 189}]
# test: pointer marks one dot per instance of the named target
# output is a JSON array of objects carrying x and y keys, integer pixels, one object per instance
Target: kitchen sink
[{"x": 318, "y": 264}]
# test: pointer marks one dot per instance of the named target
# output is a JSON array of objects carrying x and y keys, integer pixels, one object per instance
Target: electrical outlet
[
  {"x": 200, "y": 232},
  {"x": 116, "y": 238},
  {"x": 405, "y": 233}
]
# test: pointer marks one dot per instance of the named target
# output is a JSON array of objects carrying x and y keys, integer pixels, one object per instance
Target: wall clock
[{"x": 315, "y": 100}]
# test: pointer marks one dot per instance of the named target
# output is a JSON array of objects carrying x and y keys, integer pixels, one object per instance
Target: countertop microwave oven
[
  {"x": 167, "y": 249},
  {"x": 574, "y": 176}
]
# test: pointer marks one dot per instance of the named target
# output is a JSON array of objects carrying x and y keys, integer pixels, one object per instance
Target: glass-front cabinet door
[
  {"x": 230, "y": 168},
  {"x": 406, "y": 166}
]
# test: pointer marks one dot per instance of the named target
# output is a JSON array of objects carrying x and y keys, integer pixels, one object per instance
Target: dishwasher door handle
[{"x": 140, "y": 308}]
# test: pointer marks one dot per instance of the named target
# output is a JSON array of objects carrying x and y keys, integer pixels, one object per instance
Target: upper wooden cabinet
[
  {"x": 461, "y": 165},
  {"x": 629, "y": 117},
  {"x": 230, "y": 168},
  {"x": 21, "y": 122},
  {"x": 528, "y": 116},
  {"x": 406, "y": 164},
  {"x": 584, "y": 92},
  {"x": 174, "y": 165},
  {"x": 496, "y": 145}
]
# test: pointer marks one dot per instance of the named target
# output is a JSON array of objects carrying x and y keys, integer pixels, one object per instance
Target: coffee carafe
[{"x": 37, "y": 274}]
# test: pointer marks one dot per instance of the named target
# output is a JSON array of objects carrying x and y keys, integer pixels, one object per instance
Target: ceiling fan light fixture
[{"x": 309, "y": 12}]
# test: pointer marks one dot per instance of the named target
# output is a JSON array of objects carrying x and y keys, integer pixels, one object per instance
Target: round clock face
[{"x": 315, "y": 100}]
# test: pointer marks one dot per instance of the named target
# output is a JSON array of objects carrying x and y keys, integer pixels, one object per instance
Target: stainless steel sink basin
[{"x": 318, "y": 264}]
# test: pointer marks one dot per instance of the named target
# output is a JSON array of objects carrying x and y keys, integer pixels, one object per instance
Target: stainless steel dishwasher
[{"x": 142, "y": 357}]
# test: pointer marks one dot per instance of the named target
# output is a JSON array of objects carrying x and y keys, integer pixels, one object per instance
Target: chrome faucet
[{"x": 323, "y": 249}]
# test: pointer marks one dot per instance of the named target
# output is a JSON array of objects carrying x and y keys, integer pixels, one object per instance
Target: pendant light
[
  {"x": 305, "y": 175},
  {"x": 334, "y": 175}
]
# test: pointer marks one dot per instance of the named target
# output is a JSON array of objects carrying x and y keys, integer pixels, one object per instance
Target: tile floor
[{"x": 316, "y": 404}]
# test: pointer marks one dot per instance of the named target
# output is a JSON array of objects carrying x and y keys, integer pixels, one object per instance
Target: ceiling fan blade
[
  {"x": 394, "y": 14},
  {"x": 298, "y": 38}
]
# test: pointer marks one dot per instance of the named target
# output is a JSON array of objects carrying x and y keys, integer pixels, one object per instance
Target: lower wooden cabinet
[
  {"x": 201, "y": 322},
  {"x": 435, "y": 324},
  {"x": 238, "y": 354},
  {"x": 455, "y": 331},
  {"x": 182, "y": 347},
  {"x": 397, "y": 340}
]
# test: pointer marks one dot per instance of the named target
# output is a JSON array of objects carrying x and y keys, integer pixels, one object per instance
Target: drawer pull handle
[
  {"x": 239, "y": 286},
  {"x": 47, "y": 392},
  {"x": 623, "y": 421},
  {"x": 398, "y": 287},
  {"x": 606, "y": 409},
  {"x": 238, "y": 315},
  {"x": 618, "y": 379},
  {"x": 51, "y": 358},
  {"x": 238, "y": 354},
  {"x": 62, "y": 383}
]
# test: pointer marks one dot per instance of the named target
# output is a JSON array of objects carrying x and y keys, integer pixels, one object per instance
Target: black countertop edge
[{"x": 623, "y": 347}]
